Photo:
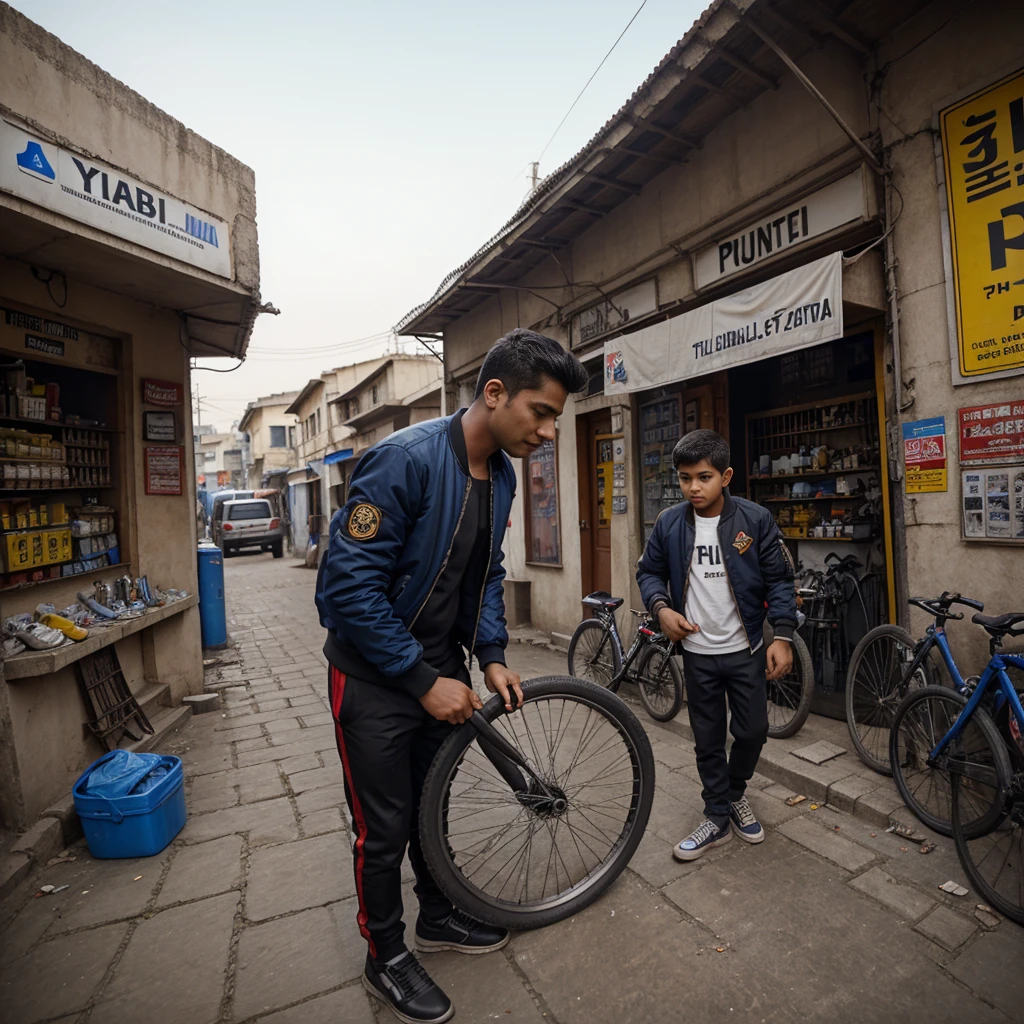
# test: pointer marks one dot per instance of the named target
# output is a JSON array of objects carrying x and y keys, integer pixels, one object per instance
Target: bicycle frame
[
  {"x": 994, "y": 670},
  {"x": 640, "y": 640}
]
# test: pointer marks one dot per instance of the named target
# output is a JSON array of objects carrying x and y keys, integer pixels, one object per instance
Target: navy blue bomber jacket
[
  {"x": 756, "y": 563},
  {"x": 387, "y": 549}
]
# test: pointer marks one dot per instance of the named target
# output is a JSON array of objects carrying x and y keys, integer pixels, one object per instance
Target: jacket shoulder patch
[
  {"x": 364, "y": 522},
  {"x": 742, "y": 542}
]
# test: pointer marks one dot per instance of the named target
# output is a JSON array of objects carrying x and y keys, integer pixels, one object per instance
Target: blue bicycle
[{"x": 958, "y": 755}]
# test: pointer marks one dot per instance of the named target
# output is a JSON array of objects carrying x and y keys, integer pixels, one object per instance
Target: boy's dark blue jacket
[
  {"x": 370, "y": 591},
  {"x": 757, "y": 565}
]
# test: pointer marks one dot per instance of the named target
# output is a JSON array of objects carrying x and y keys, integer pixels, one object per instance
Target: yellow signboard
[
  {"x": 983, "y": 152},
  {"x": 923, "y": 481}
]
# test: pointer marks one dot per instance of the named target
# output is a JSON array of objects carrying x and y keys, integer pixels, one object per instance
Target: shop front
[{"x": 116, "y": 266}]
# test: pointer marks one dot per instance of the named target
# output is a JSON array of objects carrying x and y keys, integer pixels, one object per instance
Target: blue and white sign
[{"x": 106, "y": 198}]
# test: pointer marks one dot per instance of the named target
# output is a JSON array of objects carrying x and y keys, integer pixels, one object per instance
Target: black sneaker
[
  {"x": 405, "y": 986},
  {"x": 459, "y": 933}
]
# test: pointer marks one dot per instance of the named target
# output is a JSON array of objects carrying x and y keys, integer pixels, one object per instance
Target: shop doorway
[{"x": 594, "y": 472}]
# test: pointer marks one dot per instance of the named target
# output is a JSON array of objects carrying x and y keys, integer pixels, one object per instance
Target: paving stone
[
  {"x": 293, "y": 876},
  {"x": 317, "y": 799},
  {"x": 297, "y": 691},
  {"x": 946, "y": 927},
  {"x": 191, "y": 944},
  {"x": 350, "y": 1005},
  {"x": 300, "y": 763},
  {"x": 770, "y": 810},
  {"x": 273, "y": 704},
  {"x": 310, "y": 719},
  {"x": 781, "y": 793},
  {"x": 244, "y": 732},
  {"x": 329, "y": 819},
  {"x": 206, "y": 761},
  {"x": 812, "y": 780},
  {"x": 13, "y": 868},
  {"x": 213, "y": 792},
  {"x": 269, "y": 821},
  {"x": 261, "y": 718},
  {"x": 307, "y": 701},
  {"x": 256, "y": 743},
  {"x": 820, "y": 752},
  {"x": 285, "y": 725},
  {"x": 881, "y": 804},
  {"x": 295, "y": 957},
  {"x": 42, "y": 841},
  {"x": 986, "y": 967},
  {"x": 58, "y": 977},
  {"x": 845, "y": 793},
  {"x": 827, "y": 844},
  {"x": 311, "y": 741},
  {"x": 653, "y": 861},
  {"x": 903, "y": 899},
  {"x": 331, "y": 775},
  {"x": 203, "y": 870},
  {"x": 502, "y": 996},
  {"x": 103, "y": 890}
]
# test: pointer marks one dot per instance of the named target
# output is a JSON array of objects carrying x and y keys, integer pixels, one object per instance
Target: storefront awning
[
  {"x": 795, "y": 310},
  {"x": 339, "y": 456}
]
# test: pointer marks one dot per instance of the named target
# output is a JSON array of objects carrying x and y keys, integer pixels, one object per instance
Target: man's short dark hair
[
  {"x": 702, "y": 446},
  {"x": 522, "y": 359}
]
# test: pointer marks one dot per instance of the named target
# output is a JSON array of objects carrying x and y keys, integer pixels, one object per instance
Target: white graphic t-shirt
[{"x": 709, "y": 600}]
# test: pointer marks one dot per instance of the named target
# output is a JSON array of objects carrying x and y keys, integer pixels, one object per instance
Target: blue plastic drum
[{"x": 212, "y": 610}]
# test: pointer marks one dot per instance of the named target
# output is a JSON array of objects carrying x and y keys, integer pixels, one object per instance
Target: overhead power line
[{"x": 590, "y": 79}]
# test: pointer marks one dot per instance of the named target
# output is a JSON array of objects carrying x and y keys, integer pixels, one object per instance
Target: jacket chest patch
[
  {"x": 742, "y": 542},
  {"x": 364, "y": 522}
]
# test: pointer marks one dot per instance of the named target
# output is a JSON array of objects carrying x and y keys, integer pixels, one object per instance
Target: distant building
[{"x": 269, "y": 434}]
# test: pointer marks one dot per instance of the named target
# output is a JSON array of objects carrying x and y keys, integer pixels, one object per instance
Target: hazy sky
[{"x": 390, "y": 139}]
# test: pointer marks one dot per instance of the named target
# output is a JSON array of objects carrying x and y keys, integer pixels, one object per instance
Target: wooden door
[{"x": 594, "y": 435}]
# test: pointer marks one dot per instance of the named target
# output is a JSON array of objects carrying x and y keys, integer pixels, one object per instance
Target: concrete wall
[
  {"x": 975, "y": 48},
  {"x": 60, "y": 92},
  {"x": 258, "y": 428}
]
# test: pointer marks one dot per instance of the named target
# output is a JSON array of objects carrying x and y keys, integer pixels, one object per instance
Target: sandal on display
[{"x": 65, "y": 626}]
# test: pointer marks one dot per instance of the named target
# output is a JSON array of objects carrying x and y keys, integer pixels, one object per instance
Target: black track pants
[
  {"x": 387, "y": 743},
  {"x": 710, "y": 678}
]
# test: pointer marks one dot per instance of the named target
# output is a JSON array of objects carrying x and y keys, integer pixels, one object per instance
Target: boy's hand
[
  {"x": 499, "y": 679},
  {"x": 674, "y": 626},
  {"x": 778, "y": 659},
  {"x": 450, "y": 700}
]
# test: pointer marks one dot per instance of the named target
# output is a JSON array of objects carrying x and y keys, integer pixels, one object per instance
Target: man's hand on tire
[
  {"x": 505, "y": 682},
  {"x": 450, "y": 700}
]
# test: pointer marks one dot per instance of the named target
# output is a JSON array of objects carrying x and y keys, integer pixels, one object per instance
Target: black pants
[
  {"x": 710, "y": 678},
  {"x": 386, "y": 741}
]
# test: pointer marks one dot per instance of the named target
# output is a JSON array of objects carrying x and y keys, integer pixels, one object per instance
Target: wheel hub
[{"x": 545, "y": 805}]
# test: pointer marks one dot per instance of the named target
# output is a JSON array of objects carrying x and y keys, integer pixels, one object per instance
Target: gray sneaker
[
  {"x": 706, "y": 835},
  {"x": 748, "y": 828}
]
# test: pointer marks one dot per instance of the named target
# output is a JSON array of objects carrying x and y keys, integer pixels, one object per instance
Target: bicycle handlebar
[{"x": 939, "y": 606}]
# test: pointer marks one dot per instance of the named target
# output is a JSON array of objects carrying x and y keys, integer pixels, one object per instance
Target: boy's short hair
[
  {"x": 522, "y": 358},
  {"x": 700, "y": 446}
]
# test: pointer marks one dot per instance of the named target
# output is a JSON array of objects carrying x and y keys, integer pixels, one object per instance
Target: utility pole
[
  {"x": 198, "y": 407},
  {"x": 534, "y": 174}
]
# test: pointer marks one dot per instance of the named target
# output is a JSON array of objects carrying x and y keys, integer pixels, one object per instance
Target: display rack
[{"x": 660, "y": 429}]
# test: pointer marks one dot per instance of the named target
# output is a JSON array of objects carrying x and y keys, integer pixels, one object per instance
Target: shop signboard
[
  {"x": 781, "y": 230},
  {"x": 795, "y": 310},
  {"x": 163, "y": 470},
  {"x": 993, "y": 503},
  {"x": 162, "y": 392},
  {"x": 615, "y": 311},
  {"x": 104, "y": 197},
  {"x": 990, "y": 433},
  {"x": 982, "y": 150},
  {"x": 924, "y": 451}
]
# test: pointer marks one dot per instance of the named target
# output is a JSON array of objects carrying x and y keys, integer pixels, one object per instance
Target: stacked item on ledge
[
  {"x": 22, "y": 397},
  {"x": 88, "y": 457},
  {"x": 31, "y": 461},
  {"x": 36, "y": 539}
]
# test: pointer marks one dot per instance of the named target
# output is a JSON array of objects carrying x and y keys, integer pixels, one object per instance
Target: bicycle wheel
[
  {"x": 922, "y": 719},
  {"x": 593, "y": 654},
  {"x": 874, "y": 690},
  {"x": 522, "y": 864},
  {"x": 660, "y": 682},
  {"x": 994, "y": 862},
  {"x": 789, "y": 698}
]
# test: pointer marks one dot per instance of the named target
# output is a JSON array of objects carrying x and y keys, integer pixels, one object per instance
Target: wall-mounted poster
[
  {"x": 993, "y": 503},
  {"x": 163, "y": 470},
  {"x": 159, "y": 426},
  {"x": 924, "y": 450},
  {"x": 544, "y": 543},
  {"x": 992, "y": 432}
]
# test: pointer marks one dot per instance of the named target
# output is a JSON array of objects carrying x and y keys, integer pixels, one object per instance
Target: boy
[
  {"x": 711, "y": 565},
  {"x": 411, "y": 582}
]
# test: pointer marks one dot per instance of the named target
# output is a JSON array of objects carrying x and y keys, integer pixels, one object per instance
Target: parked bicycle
[
  {"x": 789, "y": 698},
  {"x": 596, "y": 653},
  {"x": 528, "y": 816},
  {"x": 962, "y": 749}
]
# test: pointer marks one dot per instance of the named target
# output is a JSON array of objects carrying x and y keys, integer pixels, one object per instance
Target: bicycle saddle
[
  {"x": 602, "y": 599},
  {"x": 1000, "y": 625}
]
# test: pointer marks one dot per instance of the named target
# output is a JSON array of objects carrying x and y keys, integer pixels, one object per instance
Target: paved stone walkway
[{"x": 250, "y": 913}]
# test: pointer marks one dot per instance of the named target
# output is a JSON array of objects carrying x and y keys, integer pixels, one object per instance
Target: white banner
[
  {"x": 106, "y": 198},
  {"x": 798, "y": 309},
  {"x": 840, "y": 203}
]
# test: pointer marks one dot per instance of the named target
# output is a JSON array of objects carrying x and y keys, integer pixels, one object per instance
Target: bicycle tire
[
  {"x": 583, "y": 648},
  {"x": 980, "y": 853},
  {"x": 924, "y": 716},
  {"x": 867, "y": 706},
  {"x": 803, "y": 670},
  {"x": 661, "y": 697},
  {"x": 439, "y": 800}
]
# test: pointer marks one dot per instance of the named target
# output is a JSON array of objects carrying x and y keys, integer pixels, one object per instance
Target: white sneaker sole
[
  {"x": 370, "y": 990},
  {"x": 431, "y": 946},
  {"x": 759, "y": 838},
  {"x": 688, "y": 855}
]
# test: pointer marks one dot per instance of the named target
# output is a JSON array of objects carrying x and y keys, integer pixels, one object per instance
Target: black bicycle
[
  {"x": 528, "y": 816},
  {"x": 596, "y": 654}
]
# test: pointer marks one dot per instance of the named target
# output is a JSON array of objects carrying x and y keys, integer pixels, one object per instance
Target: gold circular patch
[{"x": 364, "y": 522}]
